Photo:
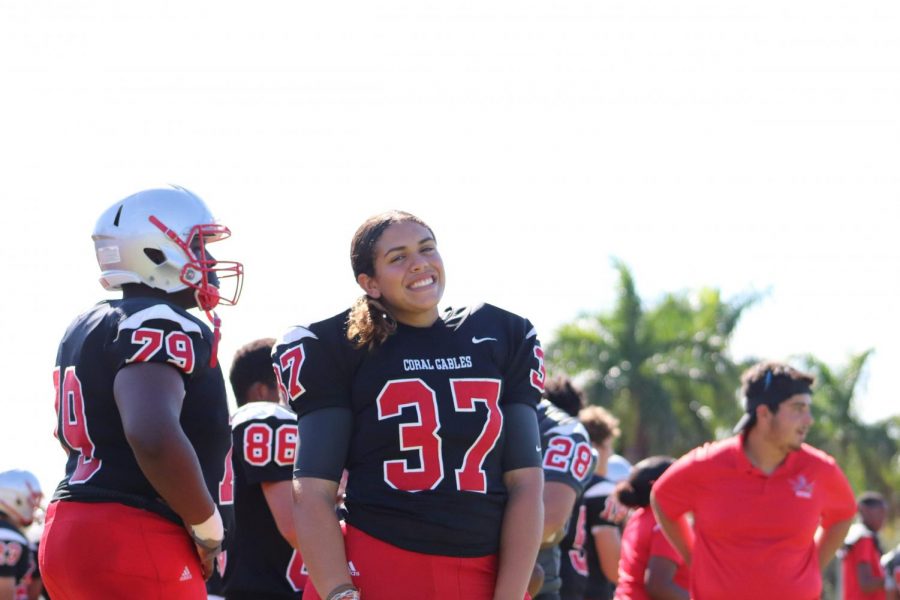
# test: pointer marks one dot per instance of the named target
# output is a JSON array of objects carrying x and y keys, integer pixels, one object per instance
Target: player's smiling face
[{"x": 409, "y": 274}]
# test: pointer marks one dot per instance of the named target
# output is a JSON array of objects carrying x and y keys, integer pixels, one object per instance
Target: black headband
[{"x": 771, "y": 390}]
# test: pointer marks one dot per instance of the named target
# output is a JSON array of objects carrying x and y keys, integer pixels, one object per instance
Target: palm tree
[
  {"x": 868, "y": 453},
  {"x": 665, "y": 372}
]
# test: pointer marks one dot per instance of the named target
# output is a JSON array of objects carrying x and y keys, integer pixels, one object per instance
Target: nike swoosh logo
[
  {"x": 477, "y": 340},
  {"x": 538, "y": 448}
]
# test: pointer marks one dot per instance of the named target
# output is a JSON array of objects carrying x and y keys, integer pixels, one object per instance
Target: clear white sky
[{"x": 746, "y": 145}]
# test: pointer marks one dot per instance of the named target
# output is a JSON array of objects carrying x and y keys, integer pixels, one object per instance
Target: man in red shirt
[
  {"x": 769, "y": 511},
  {"x": 863, "y": 575}
]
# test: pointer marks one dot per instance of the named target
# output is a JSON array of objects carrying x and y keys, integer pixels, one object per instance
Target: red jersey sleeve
[
  {"x": 674, "y": 491},
  {"x": 839, "y": 503}
]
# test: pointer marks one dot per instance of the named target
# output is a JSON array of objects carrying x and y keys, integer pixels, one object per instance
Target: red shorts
[
  {"x": 112, "y": 551},
  {"x": 385, "y": 572}
]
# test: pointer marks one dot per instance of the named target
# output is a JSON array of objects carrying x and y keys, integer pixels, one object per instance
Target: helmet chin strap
[
  {"x": 217, "y": 335},
  {"x": 202, "y": 302}
]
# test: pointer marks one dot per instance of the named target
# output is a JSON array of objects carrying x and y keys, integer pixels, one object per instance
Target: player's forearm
[
  {"x": 559, "y": 499},
  {"x": 829, "y": 540},
  {"x": 520, "y": 534},
  {"x": 609, "y": 546},
  {"x": 667, "y": 591},
  {"x": 678, "y": 532},
  {"x": 7, "y": 588},
  {"x": 169, "y": 462},
  {"x": 868, "y": 581},
  {"x": 278, "y": 496},
  {"x": 659, "y": 580},
  {"x": 319, "y": 534},
  {"x": 149, "y": 397}
]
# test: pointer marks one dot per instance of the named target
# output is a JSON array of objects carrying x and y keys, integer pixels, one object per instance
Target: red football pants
[
  {"x": 385, "y": 572},
  {"x": 112, "y": 551}
]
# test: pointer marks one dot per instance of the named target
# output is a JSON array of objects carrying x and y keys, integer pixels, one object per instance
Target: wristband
[
  {"x": 345, "y": 591},
  {"x": 210, "y": 532}
]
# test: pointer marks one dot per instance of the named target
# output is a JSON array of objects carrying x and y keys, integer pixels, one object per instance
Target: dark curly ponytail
[{"x": 634, "y": 492}]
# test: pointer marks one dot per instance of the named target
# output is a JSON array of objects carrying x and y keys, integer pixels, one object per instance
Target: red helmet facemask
[{"x": 205, "y": 274}]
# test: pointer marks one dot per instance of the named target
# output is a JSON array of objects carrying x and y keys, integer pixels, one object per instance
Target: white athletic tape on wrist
[{"x": 212, "y": 529}]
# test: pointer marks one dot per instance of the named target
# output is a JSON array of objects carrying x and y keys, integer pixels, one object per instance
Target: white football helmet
[
  {"x": 618, "y": 468},
  {"x": 20, "y": 496},
  {"x": 158, "y": 237}
]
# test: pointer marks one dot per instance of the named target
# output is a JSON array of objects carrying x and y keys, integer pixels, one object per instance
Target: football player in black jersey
[
  {"x": 20, "y": 497},
  {"x": 263, "y": 563},
  {"x": 603, "y": 536},
  {"x": 142, "y": 411},
  {"x": 568, "y": 463},
  {"x": 433, "y": 415}
]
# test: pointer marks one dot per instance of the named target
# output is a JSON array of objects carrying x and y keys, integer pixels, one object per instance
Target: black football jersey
[
  {"x": 215, "y": 585},
  {"x": 425, "y": 459},
  {"x": 573, "y": 569},
  {"x": 101, "y": 466},
  {"x": 15, "y": 554},
  {"x": 260, "y": 561},
  {"x": 567, "y": 458},
  {"x": 598, "y": 490}
]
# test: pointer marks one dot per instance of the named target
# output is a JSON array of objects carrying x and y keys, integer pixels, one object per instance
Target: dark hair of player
[
  {"x": 599, "y": 422},
  {"x": 252, "y": 363},
  {"x": 771, "y": 383},
  {"x": 634, "y": 492},
  {"x": 562, "y": 393},
  {"x": 370, "y": 322},
  {"x": 870, "y": 499}
]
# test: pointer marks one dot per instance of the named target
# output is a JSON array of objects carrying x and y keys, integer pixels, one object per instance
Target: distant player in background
[
  {"x": 862, "y": 575},
  {"x": 433, "y": 415},
  {"x": 649, "y": 567},
  {"x": 20, "y": 497},
  {"x": 142, "y": 410},
  {"x": 769, "y": 511},
  {"x": 568, "y": 462},
  {"x": 32, "y": 587},
  {"x": 263, "y": 563},
  {"x": 603, "y": 539}
]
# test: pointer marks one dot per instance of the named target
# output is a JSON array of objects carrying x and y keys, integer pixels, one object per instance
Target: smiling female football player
[{"x": 433, "y": 416}]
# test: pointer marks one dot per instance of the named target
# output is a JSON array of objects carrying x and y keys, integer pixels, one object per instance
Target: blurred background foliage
[{"x": 666, "y": 372}]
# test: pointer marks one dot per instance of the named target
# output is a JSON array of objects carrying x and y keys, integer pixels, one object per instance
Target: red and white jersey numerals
[
  {"x": 577, "y": 555},
  {"x": 291, "y": 361},
  {"x": 263, "y": 445},
  {"x": 72, "y": 428},
  {"x": 226, "y": 486},
  {"x": 10, "y": 553},
  {"x": 296, "y": 572},
  {"x": 466, "y": 393},
  {"x": 179, "y": 347},
  {"x": 422, "y": 434},
  {"x": 564, "y": 454},
  {"x": 540, "y": 374}
]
